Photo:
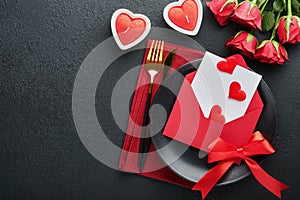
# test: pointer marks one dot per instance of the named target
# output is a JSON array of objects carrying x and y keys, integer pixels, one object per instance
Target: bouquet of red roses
[{"x": 282, "y": 18}]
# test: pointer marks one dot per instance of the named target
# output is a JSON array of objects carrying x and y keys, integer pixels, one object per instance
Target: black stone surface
[{"x": 43, "y": 44}]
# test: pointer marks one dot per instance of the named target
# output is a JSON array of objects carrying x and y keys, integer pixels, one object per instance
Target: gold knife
[{"x": 169, "y": 59}]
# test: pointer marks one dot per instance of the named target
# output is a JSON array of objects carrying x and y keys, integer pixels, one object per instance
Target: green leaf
[
  {"x": 276, "y": 45},
  {"x": 262, "y": 44},
  {"x": 268, "y": 20},
  {"x": 296, "y": 5},
  {"x": 278, "y": 5},
  {"x": 240, "y": 32},
  {"x": 249, "y": 37},
  {"x": 288, "y": 22}
]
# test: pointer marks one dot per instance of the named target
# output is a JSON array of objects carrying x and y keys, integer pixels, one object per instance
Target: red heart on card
[
  {"x": 235, "y": 92},
  {"x": 228, "y": 65},
  {"x": 184, "y": 16},
  {"x": 129, "y": 29},
  {"x": 216, "y": 114}
]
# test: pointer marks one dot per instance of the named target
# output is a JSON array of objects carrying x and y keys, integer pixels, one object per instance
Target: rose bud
[
  {"x": 248, "y": 15},
  {"x": 288, "y": 30},
  {"x": 243, "y": 42},
  {"x": 271, "y": 52},
  {"x": 222, "y": 9}
]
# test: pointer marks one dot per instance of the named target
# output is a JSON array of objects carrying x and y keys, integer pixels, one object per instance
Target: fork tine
[
  {"x": 161, "y": 52},
  {"x": 154, "y": 51},
  {"x": 150, "y": 51},
  {"x": 158, "y": 51}
]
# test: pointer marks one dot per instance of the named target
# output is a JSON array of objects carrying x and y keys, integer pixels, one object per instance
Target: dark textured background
[{"x": 42, "y": 45}]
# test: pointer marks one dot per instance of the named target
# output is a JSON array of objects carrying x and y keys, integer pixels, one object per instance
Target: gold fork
[
  {"x": 154, "y": 60},
  {"x": 154, "y": 64}
]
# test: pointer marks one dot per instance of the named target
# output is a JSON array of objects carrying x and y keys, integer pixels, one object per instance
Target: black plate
[{"x": 189, "y": 165}]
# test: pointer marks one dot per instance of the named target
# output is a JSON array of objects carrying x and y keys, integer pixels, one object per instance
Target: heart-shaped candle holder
[
  {"x": 129, "y": 29},
  {"x": 184, "y": 16}
]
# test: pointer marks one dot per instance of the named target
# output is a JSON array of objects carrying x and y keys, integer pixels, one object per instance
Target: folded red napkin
[{"x": 129, "y": 156}]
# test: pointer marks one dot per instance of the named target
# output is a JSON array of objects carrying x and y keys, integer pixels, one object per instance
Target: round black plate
[{"x": 189, "y": 165}]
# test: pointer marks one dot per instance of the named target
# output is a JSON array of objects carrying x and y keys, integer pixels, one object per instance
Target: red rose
[
  {"x": 243, "y": 42},
  {"x": 248, "y": 15},
  {"x": 271, "y": 52},
  {"x": 222, "y": 9},
  {"x": 289, "y": 30}
]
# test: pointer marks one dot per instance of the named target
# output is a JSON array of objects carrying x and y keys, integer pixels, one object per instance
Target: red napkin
[
  {"x": 129, "y": 156},
  {"x": 187, "y": 123}
]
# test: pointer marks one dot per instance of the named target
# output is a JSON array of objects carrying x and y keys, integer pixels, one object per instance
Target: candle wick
[
  {"x": 187, "y": 19},
  {"x": 126, "y": 30}
]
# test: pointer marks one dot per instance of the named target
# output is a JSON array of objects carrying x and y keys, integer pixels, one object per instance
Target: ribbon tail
[
  {"x": 210, "y": 179},
  {"x": 265, "y": 179}
]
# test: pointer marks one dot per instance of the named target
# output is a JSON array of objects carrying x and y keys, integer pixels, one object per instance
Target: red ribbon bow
[{"x": 228, "y": 154}]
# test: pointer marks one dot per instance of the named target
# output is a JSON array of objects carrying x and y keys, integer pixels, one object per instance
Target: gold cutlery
[{"x": 154, "y": 64}]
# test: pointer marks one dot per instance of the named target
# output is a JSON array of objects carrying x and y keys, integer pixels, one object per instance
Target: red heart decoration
[
  {"x": 216, "y": 114},
  {"x": 185, "y": 16},
  {"x": 228, "y": 65},
  {"x": 129, "y": 29},
  {"x": 235, "y": 92}
]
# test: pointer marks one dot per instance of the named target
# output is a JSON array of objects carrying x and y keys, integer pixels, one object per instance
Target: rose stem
[{"x": 275, "y": 26}]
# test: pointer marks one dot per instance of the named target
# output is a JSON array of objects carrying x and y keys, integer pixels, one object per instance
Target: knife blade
[{"x": 169, "y": 59}]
